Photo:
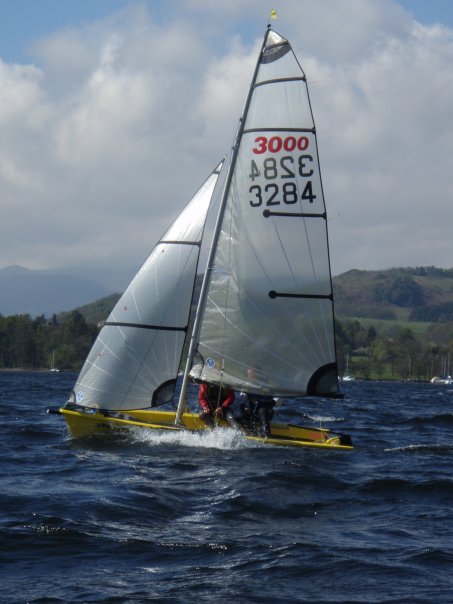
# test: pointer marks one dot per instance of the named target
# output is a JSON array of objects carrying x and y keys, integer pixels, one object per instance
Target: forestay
[
  {"x": 135, "y": 359},
  {"x": 269, "y": 296}
]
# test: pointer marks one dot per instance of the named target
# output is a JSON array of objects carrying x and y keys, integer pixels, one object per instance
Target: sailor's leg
[
  {"x": 246, "y": 421},
  {"x": 264, "y": 416},
  {"x": 208, "y": 418},
  {"x": 228, "y": 415}
]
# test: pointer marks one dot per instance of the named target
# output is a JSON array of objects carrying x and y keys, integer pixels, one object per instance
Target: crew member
[{"x": 215, "y": 402}]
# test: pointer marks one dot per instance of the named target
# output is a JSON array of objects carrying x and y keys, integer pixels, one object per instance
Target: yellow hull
[{"x": 90, "y": 421}]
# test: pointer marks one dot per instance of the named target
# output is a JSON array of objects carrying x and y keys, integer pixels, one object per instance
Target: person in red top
[{"x": 216, "y": 401}]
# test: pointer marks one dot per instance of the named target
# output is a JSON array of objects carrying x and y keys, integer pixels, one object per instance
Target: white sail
[
  {"x": 134, "y": 361},
  {"x": 269, "y": 297}
]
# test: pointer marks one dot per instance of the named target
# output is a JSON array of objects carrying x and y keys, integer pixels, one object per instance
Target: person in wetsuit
[
  {"x": 215, "y": 402},
  {"x": 256, "y": 413},
  {"x": 256, "y": 410}
]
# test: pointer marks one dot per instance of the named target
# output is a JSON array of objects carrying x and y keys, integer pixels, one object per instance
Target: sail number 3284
[{"x": 286, "y": 167}]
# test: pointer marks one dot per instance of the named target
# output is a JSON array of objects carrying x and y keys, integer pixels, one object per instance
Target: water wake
[{"x": 218, "y": 438}]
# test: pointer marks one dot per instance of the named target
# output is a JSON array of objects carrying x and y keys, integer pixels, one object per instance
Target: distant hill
[
  {"x": 39, "y": 292},
  {"x": 423, "y": 294},
  {"x": 403, "y": 294},
  {"x": 97, "y": 311},
  {"x": 410, "y": 294}
]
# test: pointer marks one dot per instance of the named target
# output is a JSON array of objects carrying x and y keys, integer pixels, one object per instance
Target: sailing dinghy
[{"x": 266, "y": 299}]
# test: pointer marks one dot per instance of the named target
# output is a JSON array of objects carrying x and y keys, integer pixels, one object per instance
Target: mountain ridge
[
  {"x": 405, "y": 293},
  {"x": 44, "y": 292}
]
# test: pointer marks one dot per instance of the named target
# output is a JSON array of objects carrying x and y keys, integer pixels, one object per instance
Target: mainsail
[
  {"x": 134, "y": 361},
  {"x": 268, "y": 304}
]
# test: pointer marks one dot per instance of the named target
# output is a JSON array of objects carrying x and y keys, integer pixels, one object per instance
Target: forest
[
  {"x": 393, "y": 351},
  {"x": 37, "y": 343}
]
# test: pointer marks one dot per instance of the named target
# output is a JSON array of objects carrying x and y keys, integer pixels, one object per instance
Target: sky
[{"x": 113, "y": 112}]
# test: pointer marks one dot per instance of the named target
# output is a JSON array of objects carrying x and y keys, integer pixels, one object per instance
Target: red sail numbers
[{"x": 275, "y": 144}]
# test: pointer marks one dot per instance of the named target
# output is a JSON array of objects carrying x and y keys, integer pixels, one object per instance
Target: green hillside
[
  {"x": 396, "y": 323},
  {"x": 415, "y": 297},
  {"x": 97, "y": 311},
  {"x": 405, "y": 294}
]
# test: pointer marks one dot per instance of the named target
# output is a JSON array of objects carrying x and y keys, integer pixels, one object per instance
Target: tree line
[
  {"x": 394, "y": 352},
  {"x": 365, "y": 352},
  {"x": 37, "y": 343}
]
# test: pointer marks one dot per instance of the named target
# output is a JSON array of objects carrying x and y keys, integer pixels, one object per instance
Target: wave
[
  {"x": 323, "y": 418},
  {"x": 433, "y": 448},
  {"x": 399, "y": 486},
  {"x": 430, "y": 555},
  {"x": 443, "y": 419}
]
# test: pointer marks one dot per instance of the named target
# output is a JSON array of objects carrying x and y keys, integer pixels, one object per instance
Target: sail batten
[
  {"x": 170, "y": 242},
  {"x": 269, "y": 213},
  {"x": 145, "y": 326},
  {"x": 280, "y": 80},
  {"x": 273, "y": 294},
  {"x": 275, "y": 129}
]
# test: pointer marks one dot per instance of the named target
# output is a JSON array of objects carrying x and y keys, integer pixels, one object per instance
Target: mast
[{"x": 215, "y": 239}]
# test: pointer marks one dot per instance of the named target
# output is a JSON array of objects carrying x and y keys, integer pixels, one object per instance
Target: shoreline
[{"x": 28, "y": 370}]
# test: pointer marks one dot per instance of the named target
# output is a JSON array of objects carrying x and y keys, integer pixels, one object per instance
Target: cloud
[
  {"x": 387, "y": 169},
  {"x": 116, "y": 124}
]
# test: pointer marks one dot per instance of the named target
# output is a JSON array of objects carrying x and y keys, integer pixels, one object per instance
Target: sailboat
[
  {"x": 346, "y": 377},
  {"x": 266, "y": 295},
  {"x": 52, "y": 367}
]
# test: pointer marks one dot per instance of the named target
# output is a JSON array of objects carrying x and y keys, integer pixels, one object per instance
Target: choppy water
[{"x": 185, "y": 518}]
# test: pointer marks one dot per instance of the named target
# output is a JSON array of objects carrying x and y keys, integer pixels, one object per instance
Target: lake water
[{"x": 189, "y": 518}]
